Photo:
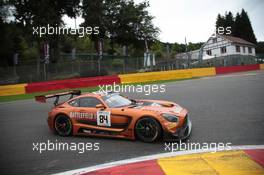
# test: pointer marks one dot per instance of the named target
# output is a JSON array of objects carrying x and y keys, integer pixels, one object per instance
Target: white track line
[
  {"x": 151, "y": 157},
  {"x": 231, "y": 75},
  {"x": 238, "y": 75}
]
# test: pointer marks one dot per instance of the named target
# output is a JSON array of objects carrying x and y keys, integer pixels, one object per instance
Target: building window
[
  {"x": 249, "y": 50},
  {"x": 214, "y": 40},
  {"x": 237, "y": 48},
  {"x": 223, "y": 49},
  {"x": 209, "y": 52},
  {"x": 244, "y": 49}
]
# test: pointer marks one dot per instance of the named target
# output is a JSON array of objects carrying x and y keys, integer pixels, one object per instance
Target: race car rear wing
[{"x": 43, "y": 98}]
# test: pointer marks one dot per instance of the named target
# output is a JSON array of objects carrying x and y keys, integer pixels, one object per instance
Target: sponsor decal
[{"x": 83, "y": 115}]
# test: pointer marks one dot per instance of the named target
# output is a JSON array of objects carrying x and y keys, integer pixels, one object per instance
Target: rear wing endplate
[{"x": 43, "y": 98}]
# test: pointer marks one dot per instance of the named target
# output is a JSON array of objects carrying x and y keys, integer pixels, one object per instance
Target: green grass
[
  {"x": 91, "y": 89},
  {"x": 32, "y": 95}
]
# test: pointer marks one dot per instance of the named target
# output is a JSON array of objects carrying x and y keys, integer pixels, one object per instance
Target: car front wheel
[{"x": 148, "y": 129}]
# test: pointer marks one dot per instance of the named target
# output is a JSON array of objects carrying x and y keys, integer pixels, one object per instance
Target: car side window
[
  {"x": 89, "y": 102},
  {"x": 74, "y": 103}
]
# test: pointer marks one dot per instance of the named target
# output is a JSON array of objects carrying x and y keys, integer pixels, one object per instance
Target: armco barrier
[
  {"x": 261, "y": 66},
  {"x": 72, "y": 83},
  {"x": 15, "y": 89},
  {"x": 166, "y": 75},
  {"x": 232, "y": 69},
  {"x": 155, "y": 76},
  {"x": 201, "y": 72},
  {"x": 126, "y": 78}
]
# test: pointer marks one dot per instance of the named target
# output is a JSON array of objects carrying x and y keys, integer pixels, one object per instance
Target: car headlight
[{"x": 171, "y": 117}]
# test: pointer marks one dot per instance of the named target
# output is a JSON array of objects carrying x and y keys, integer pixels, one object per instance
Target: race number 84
[{"x": 103, "y": 118}]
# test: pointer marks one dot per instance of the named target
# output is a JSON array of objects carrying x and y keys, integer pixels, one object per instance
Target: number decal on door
[{"x": 103, "y": 118}]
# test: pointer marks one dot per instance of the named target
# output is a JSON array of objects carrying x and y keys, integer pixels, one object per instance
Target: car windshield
[{"x": 116, "y": 100}]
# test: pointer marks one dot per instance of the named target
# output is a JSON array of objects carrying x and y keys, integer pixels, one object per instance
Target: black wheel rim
[
  {"x": 63, "y": 125},
  {"x": 146, "y": 129}
]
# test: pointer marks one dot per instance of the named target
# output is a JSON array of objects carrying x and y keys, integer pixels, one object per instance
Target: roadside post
[{"x": 46, "y": 59}]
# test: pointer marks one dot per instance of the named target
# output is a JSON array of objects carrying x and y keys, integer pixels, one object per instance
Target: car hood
[{"x": 158, "y": 106}]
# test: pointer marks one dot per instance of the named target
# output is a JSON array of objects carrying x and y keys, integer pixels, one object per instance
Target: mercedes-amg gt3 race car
[{"x": 110, "y": 114}]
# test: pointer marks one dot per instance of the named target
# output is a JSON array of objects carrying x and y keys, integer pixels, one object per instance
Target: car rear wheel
[
  {"x": 148, "y": 129},
  {"x": 63, "y": 125}
]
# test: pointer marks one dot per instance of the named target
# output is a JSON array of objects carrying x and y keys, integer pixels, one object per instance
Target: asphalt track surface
[{"x": 227, "y": 108}]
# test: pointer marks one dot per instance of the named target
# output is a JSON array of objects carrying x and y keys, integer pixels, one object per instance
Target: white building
[{"x": 225, "y": 45}]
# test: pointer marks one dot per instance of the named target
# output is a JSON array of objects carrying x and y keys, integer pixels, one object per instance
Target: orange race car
[{"x": 110, "y": 114}]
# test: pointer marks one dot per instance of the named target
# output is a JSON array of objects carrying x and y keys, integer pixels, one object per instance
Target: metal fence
[
  {"x": 109, "y": 65},
  {"x": 230, "y": 60},
  {"x": 68, "y": 68}
]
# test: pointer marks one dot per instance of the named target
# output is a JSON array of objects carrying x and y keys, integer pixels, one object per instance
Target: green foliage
[
  {"x": 31, "y": 13},
  {"x": 10, "y": 43},
  {"x": 84, "y": 44},
  {"x": 178, "y": 48},
  {"x": 121, "y": 21},
  {"x": 225, "y": 21},
  {"x": 260, "y": 47},
  {"x": 29, "y": 54},
  {"x": 67, "y": 43},
  {"x": 194, "y": 46},
  {"x": 158, "y": 49},
  {"x": 42, "y": 12},
  {"x": 243, "y": 28},
  {"x": 134, "y": 24},
  {"x": 117, "y": 63}
]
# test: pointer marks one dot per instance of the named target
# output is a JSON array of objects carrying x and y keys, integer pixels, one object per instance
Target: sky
[{"x": 195, "y": 19}]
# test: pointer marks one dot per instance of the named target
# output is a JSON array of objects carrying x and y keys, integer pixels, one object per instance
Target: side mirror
[{"x": 100, "y": 106}]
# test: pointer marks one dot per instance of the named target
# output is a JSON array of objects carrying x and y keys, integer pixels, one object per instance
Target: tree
[
  {"x": 158, "y": 48},
  {"x": 220, "y": 21},
  {"x": 238, "y": 26},
  {"x": 121, "y": 21},
  {"x": 225, "y": 21},
  {"x": 260, "y": 47},
  {"x": 31, "y": 13},
  {"x": 243, "y": 27},
  {"x": 229, "y": 21},
  {"x": 135, "y": 24},
  {"x": 194, "y": 46},
  {"x": 178, "y": 48},
  {"x": 93, "y": 14}
]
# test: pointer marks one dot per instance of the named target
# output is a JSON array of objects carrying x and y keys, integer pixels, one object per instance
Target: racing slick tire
[
  {"x": 63, "y": 125},
  {"x": 148, "y": 129}
]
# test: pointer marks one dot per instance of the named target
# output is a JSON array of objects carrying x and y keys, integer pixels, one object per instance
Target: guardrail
[
  {"x": 232, "y": 69},
  {"x": 166, "y": 75},
  {"x": 261, "y": 66},
  {"x": 16, "y": 89},
  {"x": 71, "y": 83}
]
